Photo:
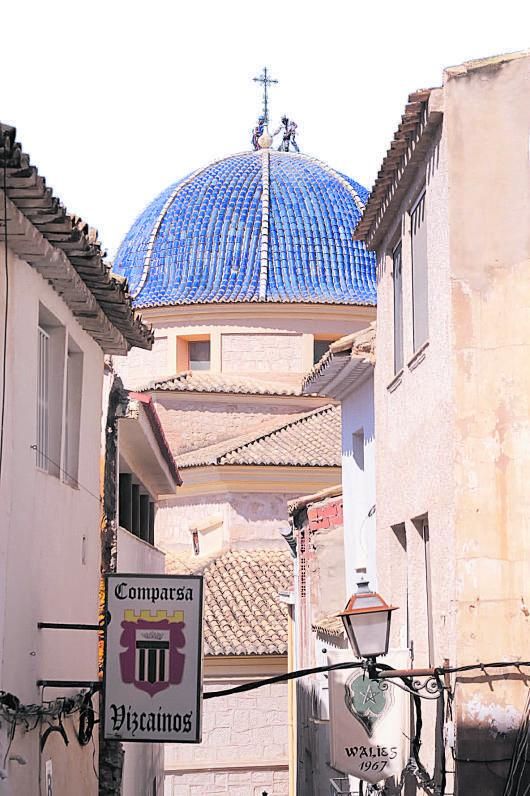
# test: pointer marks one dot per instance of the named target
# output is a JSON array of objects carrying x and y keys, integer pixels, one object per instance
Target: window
[
  {"x": 199, "y": 354},
  {"x": 136, "y": 510},
  {"x": 43, "y": 376},
  {"x": 358, "y": 449},
  {"x": 50, "y": 397},
  {"x": 193, "y": 354},
  {"x": 72, "y": 414},
  {"x": 397, "y": 276},
  {"x": 319, "y": 349},
  {"x": 424, "y": 641},
  {"x": 418, "y": 232}
]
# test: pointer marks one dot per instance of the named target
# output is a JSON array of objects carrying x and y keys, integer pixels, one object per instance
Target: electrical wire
[
  {"x": 64, "y": 472},
  {"x": 281, "y": 678}
]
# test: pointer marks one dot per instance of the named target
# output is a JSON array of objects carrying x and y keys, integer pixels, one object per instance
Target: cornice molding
[
  {"x": 178, "y": 315},
  {"x": 272, "y": 479}
]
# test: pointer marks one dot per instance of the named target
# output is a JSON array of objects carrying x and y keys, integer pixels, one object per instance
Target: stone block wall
[
  {"x": 245, "y": 520},
  {"x": 190, "y": 424},
  {"x": 260, "y": 353},
  {"x": 244, "y": 750},
  {"x": 244, "y": 782}
]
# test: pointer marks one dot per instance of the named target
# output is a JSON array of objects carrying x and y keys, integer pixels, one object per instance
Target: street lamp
[{"x": 366, "y": 620}]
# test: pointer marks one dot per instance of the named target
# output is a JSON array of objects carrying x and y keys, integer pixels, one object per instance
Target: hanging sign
[
  {"x": 368, "y": 723},
  {"x": 153, "y": 658}
]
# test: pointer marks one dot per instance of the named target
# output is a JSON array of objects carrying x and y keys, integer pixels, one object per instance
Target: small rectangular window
[
  {"x": 397, "y": 276},
  {"x": 358, "y": 449},
  {"x": 319, "y": 349},
  {"x": 420, "y": 292},
  {"x": 199, "y": 354}
]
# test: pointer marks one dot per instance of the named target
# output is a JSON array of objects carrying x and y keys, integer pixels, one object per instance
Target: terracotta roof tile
[
  {"x": 358, "y": 346},
  {"x": 309, "y": 439},
  {"x": 243, "y": 614},
  {"x": 202, "y": 381}
]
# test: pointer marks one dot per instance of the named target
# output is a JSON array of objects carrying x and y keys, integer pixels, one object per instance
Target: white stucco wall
[
  {"x": 49, "y": 545},
  {"x": 358, "y": 485},
  {"x": 143, "y": 763}
]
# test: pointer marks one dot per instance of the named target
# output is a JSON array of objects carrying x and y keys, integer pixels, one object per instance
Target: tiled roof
[
  {"x": 242, "y": 613},
  {"x": 309, "y": 439},
  {"x": 202, "y": 381},
  {"x": 98, "y": 298},
  {"x": 402, "y": 149},
  {"x": 256, "y": 226},
  {"x": 356, "y": 349},
  {"x": 330, "y": 625}
]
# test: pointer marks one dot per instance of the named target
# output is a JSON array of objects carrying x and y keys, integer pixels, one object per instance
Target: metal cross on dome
[{"x": 266, "y": 81}]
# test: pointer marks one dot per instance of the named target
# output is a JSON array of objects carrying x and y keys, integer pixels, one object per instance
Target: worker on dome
[
  {"x": 288, "y": 130},
  {"x": 257, "y": 132}
]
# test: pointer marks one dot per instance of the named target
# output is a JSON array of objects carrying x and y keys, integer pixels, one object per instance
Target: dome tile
[{"x": 202, "y": 239}]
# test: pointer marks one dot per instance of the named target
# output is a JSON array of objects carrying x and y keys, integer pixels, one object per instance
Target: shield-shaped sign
[{"x": 368, "y": 723}]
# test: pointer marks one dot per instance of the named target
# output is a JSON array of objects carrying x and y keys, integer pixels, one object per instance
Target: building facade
[
  {"x": 451, "y": 407},
  {"x": 62, "y": 311}
]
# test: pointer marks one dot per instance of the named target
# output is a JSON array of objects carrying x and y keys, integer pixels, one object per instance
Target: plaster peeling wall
[
  {"x": 248, "y": 520},
  {"x": 490, "y": 257},
  {"x": 414, "y": 451},
  {"x": 244, "y": 748},
  {"x": 261, "y": 353},
  {"x": 191, "y": 424}
]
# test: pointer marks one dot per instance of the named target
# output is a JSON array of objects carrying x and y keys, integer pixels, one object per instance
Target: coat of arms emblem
[
  {"x": 367, "y": 700},
  {"x": 152, "y": 660}
]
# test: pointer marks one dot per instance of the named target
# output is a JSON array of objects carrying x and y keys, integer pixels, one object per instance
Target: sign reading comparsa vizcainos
[{"x": 153, "y": 658}]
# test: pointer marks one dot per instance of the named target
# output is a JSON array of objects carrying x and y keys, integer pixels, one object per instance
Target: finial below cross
[{"x": 266, "y": 81}]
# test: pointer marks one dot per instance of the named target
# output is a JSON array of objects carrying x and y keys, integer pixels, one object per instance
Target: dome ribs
[{"x": 257, "y": 226}]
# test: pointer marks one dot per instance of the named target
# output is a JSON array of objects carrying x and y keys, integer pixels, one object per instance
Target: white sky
[{"x": 116, "y": 100}]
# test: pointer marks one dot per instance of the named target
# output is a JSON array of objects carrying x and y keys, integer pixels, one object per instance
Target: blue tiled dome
[{"x": 258, "y": 226}]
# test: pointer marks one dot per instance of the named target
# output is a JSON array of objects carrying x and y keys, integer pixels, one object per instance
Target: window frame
[
  {"x": 419, "y": 331},
  {"x": 399, "y": 361}
]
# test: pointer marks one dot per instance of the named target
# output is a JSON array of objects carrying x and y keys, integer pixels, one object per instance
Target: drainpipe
[{"x": 110, "y": 751}]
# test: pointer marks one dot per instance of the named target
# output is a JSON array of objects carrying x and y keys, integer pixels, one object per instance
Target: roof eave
[
  {"x": 423, "y": 113},
  {"x": 98, "y": 299}
]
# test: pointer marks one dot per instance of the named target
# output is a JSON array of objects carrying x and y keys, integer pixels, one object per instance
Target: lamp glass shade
[{"x": 368, "y": 633}]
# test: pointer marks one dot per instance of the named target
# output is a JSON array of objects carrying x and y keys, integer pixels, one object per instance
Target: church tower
[{"x": 247, "y": 270}]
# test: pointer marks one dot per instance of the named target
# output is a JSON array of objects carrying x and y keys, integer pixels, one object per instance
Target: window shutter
[{"x": 419, "y": 274}]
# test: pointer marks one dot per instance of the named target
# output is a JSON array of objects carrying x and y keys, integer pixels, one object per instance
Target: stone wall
[
  {"x": 259, "y": 353},
  {"x": 244, "y": 748},
  {"x": 191, "y": 423},
  {"x": 240, "y": 519}
]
